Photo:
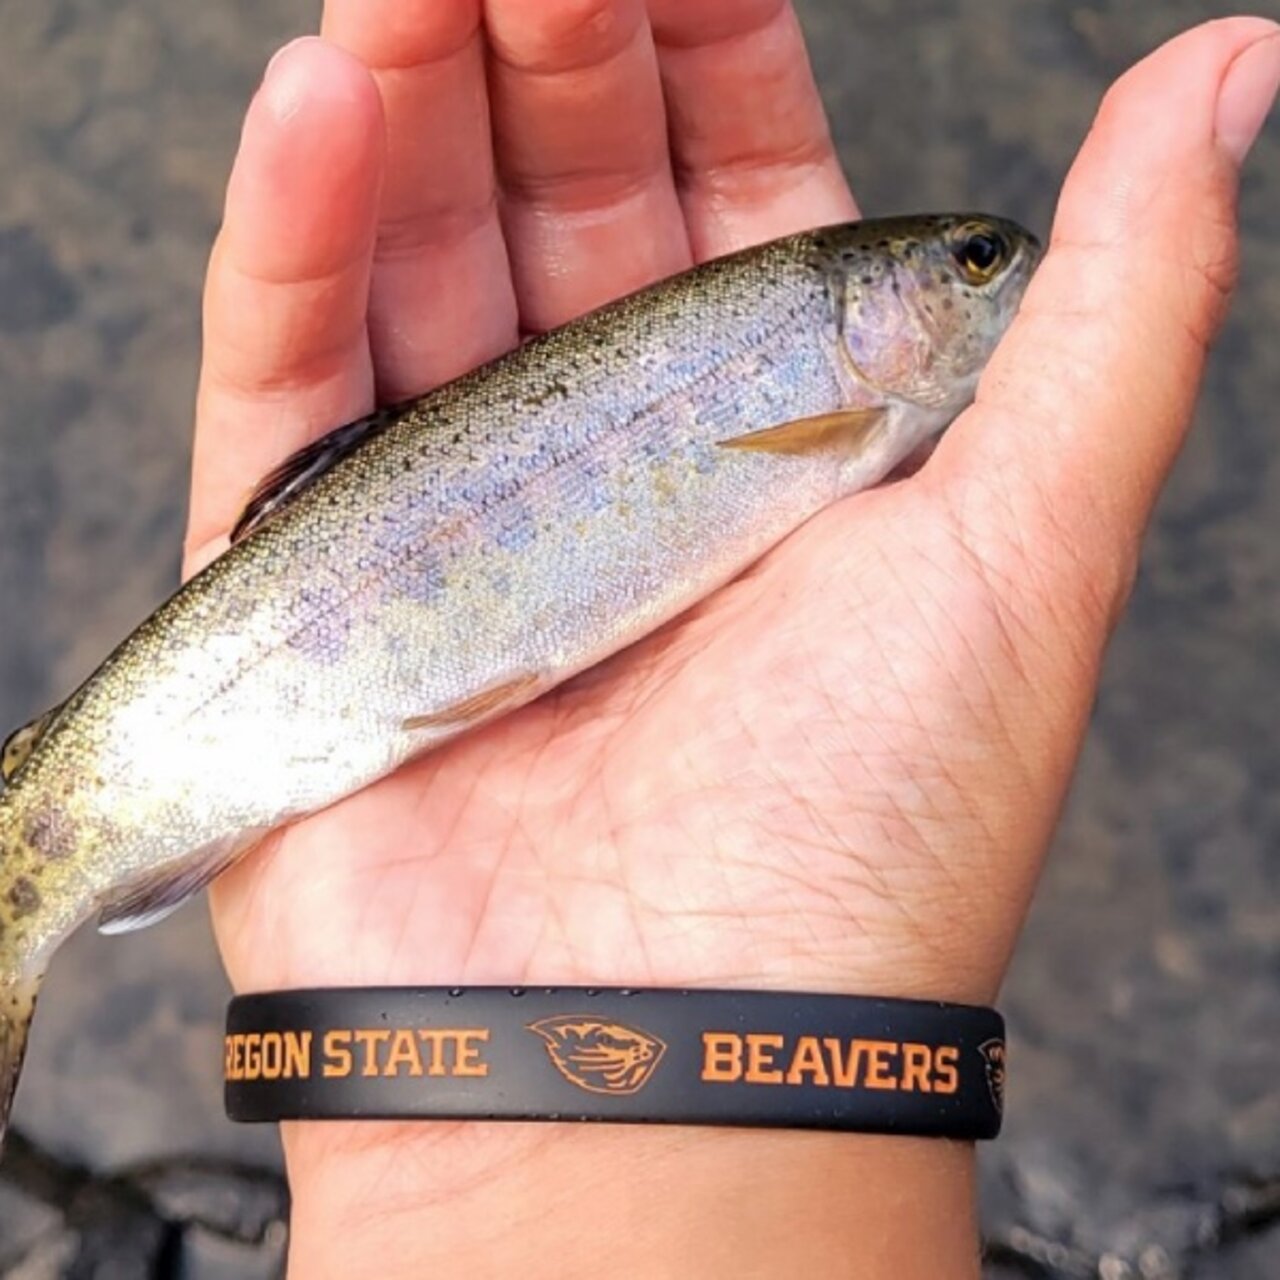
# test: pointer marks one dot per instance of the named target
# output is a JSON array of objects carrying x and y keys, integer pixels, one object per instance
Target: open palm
[{"x": 842, "y": 771}]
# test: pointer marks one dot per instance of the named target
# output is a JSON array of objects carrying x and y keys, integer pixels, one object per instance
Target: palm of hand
[
  {"x": 841, "y": 771},
  {"x": 755, "y": 794}
]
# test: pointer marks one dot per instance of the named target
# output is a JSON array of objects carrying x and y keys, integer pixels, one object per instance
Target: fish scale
[{"x": 448, "y": 560}]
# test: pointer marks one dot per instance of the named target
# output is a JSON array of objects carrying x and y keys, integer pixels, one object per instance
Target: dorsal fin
[
  {"x": 298, "y": 472},
  {"x": 20, "y": 744}
]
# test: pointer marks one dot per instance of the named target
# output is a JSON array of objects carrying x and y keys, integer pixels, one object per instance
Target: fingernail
[
  {"x": 1247, "y": 92},
  {"x": 283, "y": 89},
  {"x": 283, "y": 50}
]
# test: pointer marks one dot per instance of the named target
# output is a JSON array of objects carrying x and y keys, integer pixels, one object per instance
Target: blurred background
[{"x": 1143, "y": 1138}]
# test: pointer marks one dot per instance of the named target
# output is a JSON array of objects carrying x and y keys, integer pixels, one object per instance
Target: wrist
[
  {"x": 398, "y": 1198},
  {"x": 395, "y": 1199}
]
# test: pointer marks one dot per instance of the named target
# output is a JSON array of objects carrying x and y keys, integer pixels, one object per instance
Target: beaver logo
[
  {"x": 601, "y": 1057},
  {"x": 993, "y": 1058}
]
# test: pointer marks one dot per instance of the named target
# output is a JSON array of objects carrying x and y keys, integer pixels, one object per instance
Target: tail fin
[{"x": 17, "y": 1004}]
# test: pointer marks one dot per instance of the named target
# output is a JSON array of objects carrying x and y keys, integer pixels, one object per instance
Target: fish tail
[{"x": 17, "y": 1004}]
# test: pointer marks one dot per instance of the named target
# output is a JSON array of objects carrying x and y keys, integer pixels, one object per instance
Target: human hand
[{"x": 842, "y": 772}]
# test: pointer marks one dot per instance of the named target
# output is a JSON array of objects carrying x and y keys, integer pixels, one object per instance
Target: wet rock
[
  {"x": 130, "y": 1044},
  {"x": 234, "y": 1203},
  {"x": 208, "y": 1257},
  {"x": 118, "y": 1237},
  {"x": 1250, "y": 1259},
  {"x": 34, "y": 293},
  {"x": 49, "y": 1258},
  {"x": 24, "y": 1222}
]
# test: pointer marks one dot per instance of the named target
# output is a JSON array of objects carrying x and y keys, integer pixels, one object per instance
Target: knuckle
[
  {"x": 762, "y": 157},
  {"x": 1211, "y": 271},
  {"x": 434, "y": 226},
  {"x": 1121, "y": 97},
  {"x": 585, "y": 188},
  {"x": 541, "y": 38},
  {"x": 678, "y": 24},
  {"x": 402, "y": 35}
]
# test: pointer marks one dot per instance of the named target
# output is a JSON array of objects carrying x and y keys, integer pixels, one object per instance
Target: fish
[{"x": 447, "y": 560}]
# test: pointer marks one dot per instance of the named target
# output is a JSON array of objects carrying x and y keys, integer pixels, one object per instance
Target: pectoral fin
[
  {"x": 846, "y": 430},
  {"x": 149, "y": 899},
  {"x": 484, "y": 705}
]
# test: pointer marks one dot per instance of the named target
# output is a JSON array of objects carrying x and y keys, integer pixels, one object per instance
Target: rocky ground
[{"x": 1144, "y": 1134}]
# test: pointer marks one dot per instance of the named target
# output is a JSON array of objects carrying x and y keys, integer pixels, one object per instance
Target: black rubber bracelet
[{"x": 642, "y": 1056}]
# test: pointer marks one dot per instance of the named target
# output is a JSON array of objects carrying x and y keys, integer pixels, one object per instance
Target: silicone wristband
[{"x": 699, "y": 1057}]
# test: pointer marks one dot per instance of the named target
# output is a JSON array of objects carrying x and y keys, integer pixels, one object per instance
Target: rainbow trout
[{"x": 445, "y": 561}]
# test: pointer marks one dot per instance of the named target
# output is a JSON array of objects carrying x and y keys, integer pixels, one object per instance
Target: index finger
[{"x": 286, "y": 353}]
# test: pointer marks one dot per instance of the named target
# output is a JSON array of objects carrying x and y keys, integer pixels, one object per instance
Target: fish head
[{"x": 923, "y": 302}]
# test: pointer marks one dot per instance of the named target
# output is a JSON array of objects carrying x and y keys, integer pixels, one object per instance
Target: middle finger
[{"x": 589, "y": 203}]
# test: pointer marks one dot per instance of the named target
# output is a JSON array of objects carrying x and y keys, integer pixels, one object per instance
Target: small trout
[{"x": 443, "y": 562}]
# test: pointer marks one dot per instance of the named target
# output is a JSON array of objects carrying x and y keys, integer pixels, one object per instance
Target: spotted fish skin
[{"x": 489, "y": 541}]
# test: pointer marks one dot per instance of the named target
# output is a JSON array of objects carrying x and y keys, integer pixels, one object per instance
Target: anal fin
[{"x": 150, "y": 898}]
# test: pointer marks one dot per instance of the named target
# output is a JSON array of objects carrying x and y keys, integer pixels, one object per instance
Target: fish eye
[{"x": 980, "y": 252}]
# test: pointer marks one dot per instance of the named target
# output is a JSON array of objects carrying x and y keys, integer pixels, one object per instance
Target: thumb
[{"x": 1054, "y": 472}]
